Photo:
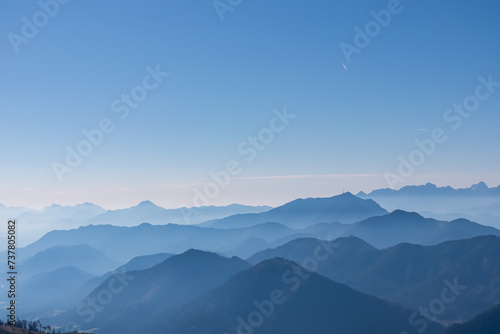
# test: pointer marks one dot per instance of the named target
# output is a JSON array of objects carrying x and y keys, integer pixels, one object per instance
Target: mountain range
[
  {"x": 150, "y": 293},
  {"x": 411, "y": 275},
  {"x": 341, "y": 254},
  {"x": 478, "y": 202},
  {"x": 278, "y": 296},
  {"x": 51, "y": 292},
  {"x": 401, "y": 226},
  {"x": 300, "y": 213},
  {"x": 431, "y": 190},
  {"x": 384, "y": 230},
  {"x": 38, "y": 222},
  {"x": 199, "y": 292},
  {"x": 149, "y": 212},
  {"x": 81, "y": 256}
]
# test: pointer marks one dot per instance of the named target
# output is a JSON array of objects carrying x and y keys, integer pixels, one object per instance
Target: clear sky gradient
[{"x": 225, "y": 79}]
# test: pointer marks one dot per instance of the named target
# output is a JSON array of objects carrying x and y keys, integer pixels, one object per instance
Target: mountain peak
[
  {"x": 54, "y": 206},
  {"x": 303, "y": 212},
  {"x": 195, "y": 255},
  {"x": 479, "y": 186},
  {"x": 146, "y": 204},
  {"x": 321, "y": 303},
  {"x": 86, "y": 204},
  {"x": 401, "y": 213}
]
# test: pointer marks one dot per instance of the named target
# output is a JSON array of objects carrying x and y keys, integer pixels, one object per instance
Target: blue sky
[{"x": 225, "y": 79}]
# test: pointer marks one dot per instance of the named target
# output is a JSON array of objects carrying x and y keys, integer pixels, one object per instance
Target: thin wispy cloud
[{"x": 308, "y": 176}]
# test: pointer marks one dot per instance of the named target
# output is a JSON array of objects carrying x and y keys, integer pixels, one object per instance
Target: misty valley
[{"x": 342, "y": 264}]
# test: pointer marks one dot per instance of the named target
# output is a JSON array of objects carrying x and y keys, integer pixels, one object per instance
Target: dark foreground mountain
[
  {"x": 412, "y": 275},
  {"x": 280, "y": 297},
  {"x": 134, "y": 299},
  {"x": 485, "y": 323},
  {"x": 345, "y": 208}
]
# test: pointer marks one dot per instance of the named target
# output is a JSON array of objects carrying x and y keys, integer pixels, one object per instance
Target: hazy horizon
[{"x": 276, "y": 204}]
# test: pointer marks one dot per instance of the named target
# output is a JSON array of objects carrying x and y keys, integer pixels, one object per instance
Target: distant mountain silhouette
[
  {"x": 50, "y": 290},
  {"x": 429, "y": 189},
  {"x": 12, "y": 211},
  {"x": 124, "y": 243},
  {"x": 431, "y": 198},
  {"x": 58, "y": 216},
  {"x": 150, "y": 293},
  {"x": 80, "y": 286},
  {"x": 278, "y": 297},
  {"x": 81, "y": 256},
  {"x": 401, "y": 226},
  {"x": 38, "y": 222},
  {"x": 411, "y": 275},
  {"x": 35, "y": 223},
  {"x": 345, "y": 208},
  {"x": 149, "y": 212},
  {"x": 485, "y": 323},
  {"x": 484, "y": 218},
  {"x": 394, "y": 228}
]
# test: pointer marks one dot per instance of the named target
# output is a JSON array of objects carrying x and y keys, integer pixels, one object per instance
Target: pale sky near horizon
[{"x": 228, "y": 80}]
